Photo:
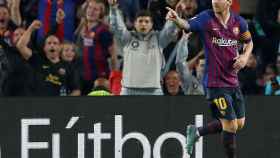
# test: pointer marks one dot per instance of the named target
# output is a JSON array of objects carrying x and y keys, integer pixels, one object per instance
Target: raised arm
[
  {"x": 22, "y": 44},
  {"x": 181, "y": 62},
  {"x": 172, "y": 15},
  {"x": 193, "y": 62},
  {"x": 15, "y": 12},
  {"x": 116, "y": 22},
  {"x": 168, "y": 34},
  {"x": 54, "y": 28}
]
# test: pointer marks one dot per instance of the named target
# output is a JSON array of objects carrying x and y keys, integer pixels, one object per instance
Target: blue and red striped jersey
[
  {"x": 221, "y": 45},
  {"x": 96, "y": 52}
]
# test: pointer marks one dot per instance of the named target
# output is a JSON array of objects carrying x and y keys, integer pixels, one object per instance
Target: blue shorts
[{"x": 226, "y": 103}]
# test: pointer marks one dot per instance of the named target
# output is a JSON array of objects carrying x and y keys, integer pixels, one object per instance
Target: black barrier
[{"x": 125, "y": 127}]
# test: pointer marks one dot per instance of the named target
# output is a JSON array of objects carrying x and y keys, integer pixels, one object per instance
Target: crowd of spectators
[{"x": 72, "y": 47}]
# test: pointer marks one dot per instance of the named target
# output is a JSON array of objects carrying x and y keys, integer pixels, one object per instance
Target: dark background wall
[
  {"x": 248, "y": 6},
  {"x": 151, "y": 116}
]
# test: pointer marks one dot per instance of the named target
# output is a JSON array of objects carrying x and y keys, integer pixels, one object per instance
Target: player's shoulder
[
  {"x": 239, "y": 18},
  {"x": 206, "y": 14}
]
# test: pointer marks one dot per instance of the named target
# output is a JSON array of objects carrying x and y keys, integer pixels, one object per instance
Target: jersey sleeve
[
  {"x": 245, "y": 35},
  {"x": 197, "y": 22}
]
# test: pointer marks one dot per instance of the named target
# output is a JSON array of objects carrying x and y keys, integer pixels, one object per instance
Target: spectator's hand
[
  {"x": 36, "y": 24},
  {"x": 172, "y": 15},
  {"x": 187, "y": 35},
  {"x": 60, "y": 1},
  {"x": 180, "y": 7},
  {"x": 60, "y": 15},
  {"x": 240, "y": 62},
  {"x": 112, "y": 2}
]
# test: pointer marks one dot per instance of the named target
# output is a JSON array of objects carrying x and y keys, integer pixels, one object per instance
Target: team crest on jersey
[
  {"x": 88, "y": 42},
  {"x": 61, "y": 71},
  {"x": 135, "y": 44},
  {"x": 235, "y": 30}
]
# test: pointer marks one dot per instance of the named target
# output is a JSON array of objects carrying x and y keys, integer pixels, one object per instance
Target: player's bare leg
[{"x": 240, "y": 123}]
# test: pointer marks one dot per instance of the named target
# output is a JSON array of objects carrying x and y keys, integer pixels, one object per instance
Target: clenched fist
[
  {"x": 112, "y": 2},
  {"x": 60, "y": 15},
  {"x": 36, "y": 24}
]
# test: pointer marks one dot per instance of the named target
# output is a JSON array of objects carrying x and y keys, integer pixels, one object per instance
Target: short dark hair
[
  {"x": 142, "y": 13},
  {"x": 46, "y": 37}
]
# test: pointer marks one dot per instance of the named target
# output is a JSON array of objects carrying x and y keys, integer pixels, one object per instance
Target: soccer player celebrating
[{"x": 221, "y": 31}]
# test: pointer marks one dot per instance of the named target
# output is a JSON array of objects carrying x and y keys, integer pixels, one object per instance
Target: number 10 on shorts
[{"x": 221, "y": 104}]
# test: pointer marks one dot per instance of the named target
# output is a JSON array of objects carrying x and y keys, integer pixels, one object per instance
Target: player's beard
[{"x": 219, "y": 9}]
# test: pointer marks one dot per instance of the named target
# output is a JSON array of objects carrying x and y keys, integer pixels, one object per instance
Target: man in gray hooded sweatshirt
[{"x": 142, "y": 51}]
